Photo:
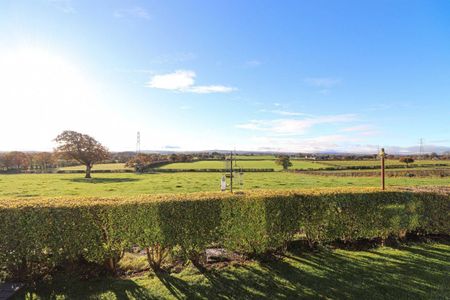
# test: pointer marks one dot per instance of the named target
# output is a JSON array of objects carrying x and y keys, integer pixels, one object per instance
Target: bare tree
[{"x": 82, "y": 148}]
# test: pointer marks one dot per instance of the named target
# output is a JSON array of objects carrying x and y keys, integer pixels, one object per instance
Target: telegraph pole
[{"x": 382, "y": 156}]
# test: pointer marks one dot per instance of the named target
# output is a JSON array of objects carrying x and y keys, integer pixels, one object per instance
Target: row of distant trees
[
  {"x": 17, "y": 160},
  {"x": 74, "y": 147},
  {"x": 425, "y": 156},
  {"x": 77, "y": 148}
]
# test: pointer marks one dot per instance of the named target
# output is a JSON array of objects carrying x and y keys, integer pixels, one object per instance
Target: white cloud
[
  {"x": 135, "y": 12},
  {"x": 179, "y": 80},
  {"x": 294, "y": 126},
  {"x": 184, "y": 81},
  {"x": 208, "y": 89}
]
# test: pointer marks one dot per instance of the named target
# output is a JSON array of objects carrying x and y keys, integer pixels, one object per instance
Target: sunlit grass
[
  {"x": 123, "y": 184},
  {"x": 420, "y": 271},
  {"x": 112, "y": 166}
]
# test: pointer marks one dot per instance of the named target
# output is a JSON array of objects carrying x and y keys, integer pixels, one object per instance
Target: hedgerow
[{"x": 37, "y": 235}]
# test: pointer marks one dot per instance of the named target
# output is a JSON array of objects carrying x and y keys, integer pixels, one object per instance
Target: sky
[{"x": 300, "y": 76}]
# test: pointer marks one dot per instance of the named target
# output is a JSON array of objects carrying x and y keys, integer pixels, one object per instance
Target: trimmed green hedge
[{"x": 38, "y": 234}]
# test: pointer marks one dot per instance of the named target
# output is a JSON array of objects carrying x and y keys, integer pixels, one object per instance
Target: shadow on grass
[
  {"x": 414, "y": 271},
  {"x": 105, "y": 288},
  {"x": 102, "y": 180}
]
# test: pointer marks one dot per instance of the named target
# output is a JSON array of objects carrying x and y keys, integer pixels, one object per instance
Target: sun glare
[{"x": 40, "y": 86}]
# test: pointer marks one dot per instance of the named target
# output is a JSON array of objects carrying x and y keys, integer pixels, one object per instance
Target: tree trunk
[{"x": 88, "y": 171}]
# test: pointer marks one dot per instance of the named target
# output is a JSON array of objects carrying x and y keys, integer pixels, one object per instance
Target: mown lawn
[
  {"x": 258, "y": 163},
  {"x": 211, "y": 164},
  {"x": 112, "y": 166},
  {"x": 245, "y": 164},
  {"x": 220, "y": 164},
  {"x": 124, "y": 184},
  {"x": 414, "y": 271}
]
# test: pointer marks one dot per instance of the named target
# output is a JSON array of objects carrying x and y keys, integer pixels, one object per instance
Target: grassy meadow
[
  {"x": 123, "y": 184},
  {"x": 112, "y": 166},
  {"x": 244, "y": 164},
  {"x": 265, "y": 162},
  {"x": 409, "y": 271}
]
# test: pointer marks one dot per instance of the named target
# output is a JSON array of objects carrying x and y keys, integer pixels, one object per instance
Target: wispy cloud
[
  {"x": 390, "y": 106},
  {"x": 362, "y": 130},
  {"x": 321, "y": 143},
  {"x": 322, "y": 82},
  {"x": 173, "y": 58},
  {"x": 283, "y": 112},
  {"x": 253, "y": 63},
  {"x": 184, "y": 81},
  {"x": 208, "y": 89},
  {"x": 133, "y": 12},
  {"x": 294, "y": 126},
  {"x": 357, "y": 128},
  {"x": 63, "y": 5},
  {"x": 442, "y": 141}
]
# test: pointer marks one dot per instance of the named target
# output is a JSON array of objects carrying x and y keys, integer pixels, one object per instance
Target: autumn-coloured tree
[
  {"x": 284, "y": 161},
  {"x": 44, "y": 160},
  {"x": 82, "y": 148},
  {"x": 139, "y": 162},
  {"x": 15, "y": 160}
]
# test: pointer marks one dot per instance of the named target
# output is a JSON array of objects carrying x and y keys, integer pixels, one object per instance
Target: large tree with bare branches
[{"x": 82, "y": 148}]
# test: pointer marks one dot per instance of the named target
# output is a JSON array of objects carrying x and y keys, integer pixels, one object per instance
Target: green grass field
[
  {"x": 245, "y": 164},
  {"x": 414, "y": 271},
  {"x": 220, "y": 164},
  {"x": 118, "y": 184},
  {"x": 254, "y": 157},
  {"x": 262, "y": 162},
  {"x": 111, "y": 166}
]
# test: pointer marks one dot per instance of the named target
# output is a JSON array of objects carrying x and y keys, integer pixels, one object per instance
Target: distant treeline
[
  {"x": 35, "y": 162},
  {"x": 349, "y": 157},
  {"x": 17, "y": 161}
]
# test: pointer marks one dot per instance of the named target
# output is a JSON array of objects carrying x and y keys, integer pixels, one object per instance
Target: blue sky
[{"x": 246, "y": 75}]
